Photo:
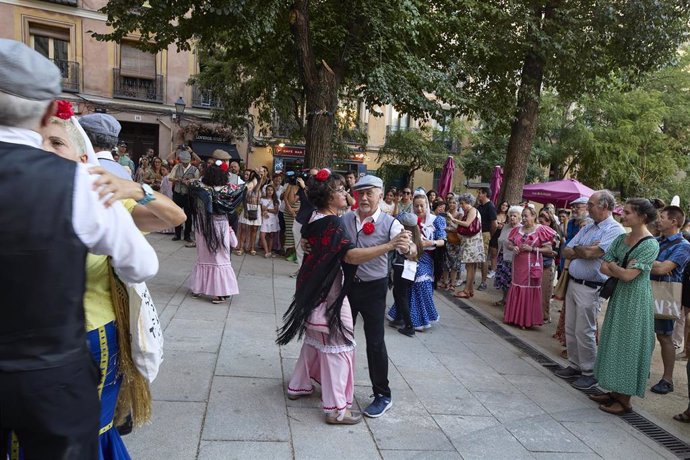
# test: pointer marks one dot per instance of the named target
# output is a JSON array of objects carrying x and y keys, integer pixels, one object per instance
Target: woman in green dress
[{"x": 627, "y": 336}]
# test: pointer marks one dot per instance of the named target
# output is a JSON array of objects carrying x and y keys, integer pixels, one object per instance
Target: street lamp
[{"x": 179, "y": 108}]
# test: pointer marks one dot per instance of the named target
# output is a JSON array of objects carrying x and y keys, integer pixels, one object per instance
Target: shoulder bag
[{"x": 611, "y": 283}]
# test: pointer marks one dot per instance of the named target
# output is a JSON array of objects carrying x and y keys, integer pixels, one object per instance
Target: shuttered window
[{"x": 137, "y": 63}]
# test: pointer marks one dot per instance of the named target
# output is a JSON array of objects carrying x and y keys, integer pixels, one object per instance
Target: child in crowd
[{"x": 270, "y": 226}]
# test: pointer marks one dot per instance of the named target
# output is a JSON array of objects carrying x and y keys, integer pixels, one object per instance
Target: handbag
[
  {"x": 610, "y": 284},
  {"x": 667, "y": 299},
  {"x": 146, "y": 332},
  {"x": 474, "y": 228},
  {"x": 562, "y": 285},
  {"x": 536, "y": 267},
  {"x": 453, "y": 238},
  {"x": 252, "y": 214}
]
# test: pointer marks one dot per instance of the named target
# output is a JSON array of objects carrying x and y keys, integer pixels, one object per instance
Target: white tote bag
[
  {"x": 145, "y": 330},
  {"x": 667, "y": 299}
]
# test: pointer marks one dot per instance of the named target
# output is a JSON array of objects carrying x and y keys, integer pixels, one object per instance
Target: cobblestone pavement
[{"x": 459, "y": 391}]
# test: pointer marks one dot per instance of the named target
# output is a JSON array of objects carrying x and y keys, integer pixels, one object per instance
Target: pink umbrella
[
  {"x": 495, "y": 184},
  {"x": 558, "y": 192},
  {"x": 445, "y": 183}
]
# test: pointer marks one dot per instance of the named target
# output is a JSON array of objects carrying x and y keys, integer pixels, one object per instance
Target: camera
[{"x": 291, "y": 176}]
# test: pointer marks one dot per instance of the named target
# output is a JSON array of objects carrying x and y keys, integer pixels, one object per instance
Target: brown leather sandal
[{"x": 616, "y": 408}]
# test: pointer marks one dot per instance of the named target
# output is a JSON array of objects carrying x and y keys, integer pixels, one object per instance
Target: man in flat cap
[
  {"x": 369, "y": 226},
  {"x": 181, "y": 175},
  {"x": 50, "y": 218},
  {"x": 125, "y": 160},
  {"x": 102, "y": 130}
]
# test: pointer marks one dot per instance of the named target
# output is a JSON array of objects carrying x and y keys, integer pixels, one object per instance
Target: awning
[{"x": 205, "y": 148}]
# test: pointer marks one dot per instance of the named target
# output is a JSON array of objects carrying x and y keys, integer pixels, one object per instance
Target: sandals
[
  {"x": 239, "y": 252},
  {"x": 219, "y": 300},
  {"x": 683, "y": 417},
  {"x": 605, "y": 399},
  {"x": 252, "y": 252},
  {"x": 616, "y": 408},
  {"x": 267, "y": 255},
  {"x": 464, "y": 295}
]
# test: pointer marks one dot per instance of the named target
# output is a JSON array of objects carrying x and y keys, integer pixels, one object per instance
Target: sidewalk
[{"x": 459, "y": 391}]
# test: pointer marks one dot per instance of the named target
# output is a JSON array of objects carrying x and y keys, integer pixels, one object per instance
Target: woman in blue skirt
[{"x": 433, "y": 229}]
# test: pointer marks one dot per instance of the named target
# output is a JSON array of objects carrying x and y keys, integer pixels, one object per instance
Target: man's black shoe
[{"x": 408, "y": 331}]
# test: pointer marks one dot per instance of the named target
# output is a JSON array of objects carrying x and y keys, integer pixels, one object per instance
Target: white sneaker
[{"x": 491, "y": 274}]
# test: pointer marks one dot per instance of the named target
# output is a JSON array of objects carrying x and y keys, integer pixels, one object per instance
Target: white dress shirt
[{"x": 106, "y": 231}]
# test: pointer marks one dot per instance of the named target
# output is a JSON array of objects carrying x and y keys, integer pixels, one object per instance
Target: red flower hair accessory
[
  {"x": 64, "y": 110},
  {"x": 224, "y": 166},
  {"x": 323, "y": 175},
  {"x": 368, "y": 228}
]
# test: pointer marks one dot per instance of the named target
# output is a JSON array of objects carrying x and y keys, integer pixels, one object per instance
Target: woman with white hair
[
  {"x": 504, "y": 266},
  {"x": 433, "y": 229}
]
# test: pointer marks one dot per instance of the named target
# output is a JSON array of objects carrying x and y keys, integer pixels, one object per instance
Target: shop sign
[{"x": 289, "y": 151}]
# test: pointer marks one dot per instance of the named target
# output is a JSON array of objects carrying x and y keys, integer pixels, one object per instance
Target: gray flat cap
[
  {"x": 367, "y": 182},
  {"x": 26, "y": 73},
  {"x": 100, "y": 123},
  {"x": 407, "y": 219},
  {"x": 219, "y": 154}
]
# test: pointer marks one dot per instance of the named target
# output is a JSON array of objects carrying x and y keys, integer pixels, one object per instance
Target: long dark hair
[
  {"x": 274, "y": 196},
  {"x": 214, "y": 176}
]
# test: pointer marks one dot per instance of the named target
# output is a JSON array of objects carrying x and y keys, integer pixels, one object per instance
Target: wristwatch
[{"x": 148, "y": 195}]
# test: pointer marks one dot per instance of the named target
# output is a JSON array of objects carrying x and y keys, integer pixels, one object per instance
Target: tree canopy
[
  {"x": 413, "y": 150},
  {"x": 284, "y": 56}
]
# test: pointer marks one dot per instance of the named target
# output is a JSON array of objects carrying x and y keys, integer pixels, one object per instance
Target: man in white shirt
[{"x": 50, "y": 216}]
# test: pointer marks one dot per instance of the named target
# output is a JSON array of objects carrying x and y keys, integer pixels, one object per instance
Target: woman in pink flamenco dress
[
  {"x": 212, "y": 274},
  {"x": 320, "y": 312},
  {"x": 523, "y": 303}
]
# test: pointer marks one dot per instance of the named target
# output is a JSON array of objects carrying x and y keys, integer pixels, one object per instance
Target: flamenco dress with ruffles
[{"x": 523, "y": 302}]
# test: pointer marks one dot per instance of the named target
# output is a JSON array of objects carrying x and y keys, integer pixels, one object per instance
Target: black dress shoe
[
  {"x": 176, "y": 238},
  {"x": 396, "y": 323},
  {"x": 408, "y": 331}
]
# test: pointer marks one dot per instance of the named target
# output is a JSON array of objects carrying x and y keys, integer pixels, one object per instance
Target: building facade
[{"x": 141, "y": 90}]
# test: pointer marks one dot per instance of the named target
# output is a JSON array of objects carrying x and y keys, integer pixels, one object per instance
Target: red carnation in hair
[
  {"x": 224, "y": 167},
  {"x": 323, "y": 175},
  {"x": 64, "y": 110},
  {"x": 368, "y": 228}
]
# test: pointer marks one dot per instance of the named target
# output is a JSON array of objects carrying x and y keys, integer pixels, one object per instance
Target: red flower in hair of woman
[
  {"x": 368, "y": 228},
  {"x": 323, "y": 175},
  {"x": 224, "y": 166},
  {"x": 64, "y": 110}
]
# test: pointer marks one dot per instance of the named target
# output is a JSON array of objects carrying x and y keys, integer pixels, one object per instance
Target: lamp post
[{"x": 180, "y": 105}]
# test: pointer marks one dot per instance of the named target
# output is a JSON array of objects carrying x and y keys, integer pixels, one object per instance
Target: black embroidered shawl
[
  {"x": 329, "y": 242},
  {"x": 205, "y": 202}
]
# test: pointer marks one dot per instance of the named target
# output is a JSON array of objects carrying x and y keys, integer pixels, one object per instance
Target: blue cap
[
  {"x": 368, "y": 182},
  {"x": 27, "y": 74},
  {"x": 100, "y": 123}
]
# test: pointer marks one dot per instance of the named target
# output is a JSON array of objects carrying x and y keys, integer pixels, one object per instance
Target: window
[
  {"x": 399, "y": 121},
  {"x": 51, "y": 42},
  {"x": 137, "y": 63}
]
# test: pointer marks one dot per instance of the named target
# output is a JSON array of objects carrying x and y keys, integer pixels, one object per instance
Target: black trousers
[
  {"x": 183, "y": 202},
  {"x": 401, "y": 294},
  {"x": 369, "y": 300},
  {"x": 55, "y": 413}
]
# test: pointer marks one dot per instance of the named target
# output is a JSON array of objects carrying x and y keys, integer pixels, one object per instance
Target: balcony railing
[
  {"x": 70, "y": 75},
  {"x": 203, "y": 99},
  {"x": 140, "y": 89},
  {"x": 390, "y": 129}
]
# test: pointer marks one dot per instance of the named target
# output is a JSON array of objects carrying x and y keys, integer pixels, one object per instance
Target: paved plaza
[{"x": 459, "y": 391}]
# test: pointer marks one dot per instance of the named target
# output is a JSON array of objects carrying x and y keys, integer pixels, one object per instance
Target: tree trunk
[
  {"x": 321, "y": 89},
  {"x": 322, "y": 102},
  {"x": 524, "y": 126}
]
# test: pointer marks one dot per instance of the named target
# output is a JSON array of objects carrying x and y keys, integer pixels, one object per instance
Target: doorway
[{"x": 139, "y": 137}]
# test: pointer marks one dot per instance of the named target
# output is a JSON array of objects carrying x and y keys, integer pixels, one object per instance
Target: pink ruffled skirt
[{"x": 213, "y": 274}]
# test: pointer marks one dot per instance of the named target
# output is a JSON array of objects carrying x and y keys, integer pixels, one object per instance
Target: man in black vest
[
  {"x": 50, "y": 216},
  {"x": 368, "y": 226}
]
